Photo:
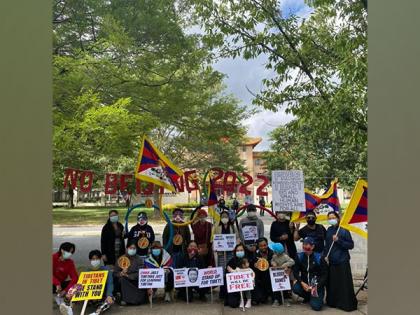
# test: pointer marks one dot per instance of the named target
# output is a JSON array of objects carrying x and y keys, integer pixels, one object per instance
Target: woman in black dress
[
  {"x": 340, "y": 290},
  {"x": 112, "y": 239}
]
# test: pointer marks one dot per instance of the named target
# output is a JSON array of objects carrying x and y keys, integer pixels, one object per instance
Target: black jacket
[
  {"x": 278, "y": 229},
  {"x": 139, "y": 231},
  {"x": 317, "y": 267},
  {"x": 108, "y": 242}
]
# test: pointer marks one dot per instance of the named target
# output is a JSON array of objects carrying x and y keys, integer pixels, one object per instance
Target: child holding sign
[{"x": 244, "y": 266}]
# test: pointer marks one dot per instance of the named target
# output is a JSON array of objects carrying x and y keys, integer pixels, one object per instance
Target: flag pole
[{"x": 336, "y": 233}]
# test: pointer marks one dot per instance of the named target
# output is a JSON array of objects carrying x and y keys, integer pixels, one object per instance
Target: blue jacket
[{"x": 340, "y": 251}]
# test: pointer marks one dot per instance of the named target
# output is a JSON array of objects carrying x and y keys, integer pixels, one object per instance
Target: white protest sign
[
  {"x": 288, "y": 191},
  {"x": 210, "y": 277},
  {"x": 185, "y": 277},
  {"x": 279, "y": 280},
  {"x": 151, "y": 278},
  {"x": 250, "y": 232},
  {"x": 239, "y": 281},
  {"x": 224, "y": 242}
]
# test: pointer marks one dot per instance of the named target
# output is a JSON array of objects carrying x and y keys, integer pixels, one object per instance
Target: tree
[
  {"x": 122, "y": 69},
  {"x": 320, "y": 66}
]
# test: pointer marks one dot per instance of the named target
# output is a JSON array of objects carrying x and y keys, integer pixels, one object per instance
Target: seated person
[{"x": 310, "y": 272}]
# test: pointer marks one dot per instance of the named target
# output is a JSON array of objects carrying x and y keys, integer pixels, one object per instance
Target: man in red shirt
[
  {"x": 202, "y": 236},
  {"x": 63, "y": 268}
]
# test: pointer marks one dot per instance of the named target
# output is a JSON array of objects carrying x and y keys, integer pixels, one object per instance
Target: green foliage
[
  {"x": 320, "y": 67},
  {"x": 122, "y": 69}
]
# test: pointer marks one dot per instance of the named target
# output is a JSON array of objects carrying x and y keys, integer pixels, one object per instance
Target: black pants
[{"x": 63, "y": 285}]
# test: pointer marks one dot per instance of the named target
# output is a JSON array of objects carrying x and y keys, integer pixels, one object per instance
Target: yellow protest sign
[{"x": 92, "y": 286}]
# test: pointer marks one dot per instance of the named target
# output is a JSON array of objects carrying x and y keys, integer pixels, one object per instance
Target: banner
[
  {"x": 151, "y": 278},
  {"x": 92, "y": 285},
  {"x": 355, "y": 217},
  {"x": 288, "y": 191},
  {"x": 210, "y": 277},
  {"x": 224, "y": 242},
  {"x": 239, "y": 281},
  {"x": 185, "y": 277},
  {"x": 279, "y": 280},
  {"x": 154, "y": 167}
]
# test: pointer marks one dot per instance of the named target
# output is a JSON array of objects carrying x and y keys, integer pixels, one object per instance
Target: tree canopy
[{"x": 124, "y": 68}]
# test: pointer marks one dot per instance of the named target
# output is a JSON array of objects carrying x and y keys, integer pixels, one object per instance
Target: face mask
[
  {"x": 113, "y": 219},
  {"x": 202, "y": 220},
  {"x": 281, "y": 216},
  {"x": 67, "y": 255},
  {"x": 178, "y": 218},
  {"x": 95, "y": 263},
  {"x": 131, "y": 251},
  {"x": 332, "y": 221},
  {"x": 240, "y": 254},
  {"x": 311, "y": 221},
  {"x": 192, "y": 251},
  {"x": 307, "y": 249},
  {"x": 252, "y": 214},
  {"x": 225, "y": 220},
  {"x": 142, "y": 222},
  {"x": 155, "y": 252}
]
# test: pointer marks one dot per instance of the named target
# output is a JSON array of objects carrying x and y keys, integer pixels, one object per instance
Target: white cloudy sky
[{"x": 241, "y": 74}]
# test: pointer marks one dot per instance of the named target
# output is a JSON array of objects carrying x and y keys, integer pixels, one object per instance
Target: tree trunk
[{"x": 156, "y": 212}]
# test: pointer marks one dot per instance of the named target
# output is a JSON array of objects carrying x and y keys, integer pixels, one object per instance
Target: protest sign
[
  {"x": 185, "y": 277},
  {"x": 279, "y": 280},
  {"x": 239, "y": 281},
  {"x": 151, "y": 278},
  {"x": 92, "y": 285},
  {"x": 224, "y": 242},
  {"x": 250, "y": 232},
  {"x": 210, "y": 277},
  {"x": 288, "y": 191}
]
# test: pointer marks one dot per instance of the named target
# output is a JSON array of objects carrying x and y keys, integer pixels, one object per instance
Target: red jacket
[{"x": 62, "y": 269}]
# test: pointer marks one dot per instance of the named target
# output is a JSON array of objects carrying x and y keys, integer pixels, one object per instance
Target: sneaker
[
  {"x": 123, "y": 303},
  {"x": 275, "y": 303},
  {"x": 167, "y": 297},
  {"x": 248, "y": 304},
  {"x": 287, "y": 302},
  {"x": 65, "y": 309},
  {"x": 58, "y": 299},
  {"x": 241, "y": 305}
]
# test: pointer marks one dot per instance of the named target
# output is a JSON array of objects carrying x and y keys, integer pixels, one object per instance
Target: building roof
[{"x": 252, "y": 141}]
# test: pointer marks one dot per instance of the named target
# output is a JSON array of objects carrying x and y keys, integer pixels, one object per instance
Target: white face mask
[
  {"x": 131, "y": 251},
  {"x": 332, "y": 221},
  {"x": 95, "y": 263},
  {"x": 224, "y": 220},
  {"x": 66, "y": 255},
  {"x": 281, "y": 216},
  {"x": 252, "y": 214}
]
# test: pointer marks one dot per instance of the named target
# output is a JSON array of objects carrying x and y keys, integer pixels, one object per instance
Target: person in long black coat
[
  {"x": 112, "y": 239},
  {"x": 340, "y": 290},
  {"x": 281, "y": 231}
]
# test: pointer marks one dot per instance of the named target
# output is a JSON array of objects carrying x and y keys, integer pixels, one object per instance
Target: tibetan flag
[
  {"x": 212, "y": 198},
  {"x": 154, "y": 167},
  {"x": 312, "y": 201},
  {"x": 355, "y": 217}
]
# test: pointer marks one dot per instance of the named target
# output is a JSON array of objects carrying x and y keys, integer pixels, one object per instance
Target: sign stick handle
[
  {"x": 243, "y": 302},
  {"x": 282, "y": 298},
  {"x": 225, "y": 263},
  {"x": 84, "y": 307},
  {"x": 186, "y": 288},
  {"x": 151, "y": 300},
  {"x": 336, "y": 233},
  {"x": 211, "y": 295}
]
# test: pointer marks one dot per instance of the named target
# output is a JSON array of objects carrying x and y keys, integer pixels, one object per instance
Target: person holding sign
[
  {"x": 160, "y": 258},
  {"x": 316, "y": 231},
  {"x": 143, "y": 234},
  {"x": 233, "y": 299},
  {"x": 194, "y": 261},
  {"x": 244, "y": 266},
  {"x": 63, "y": 268},
  {"x": 225, "y": 227},
  {"x": 280, "y": 260},
  {"x": 261, "y": 264},
  {"x": 181, "y": 238},
  {"x": 126, "y": 273},
  {"x": 340, "y": 290},
  {"x": 108, "y": 297},
  {"x": 310, "y": 275},
  {"x": 251, "y": 229},
  {"x": 202, "y": 236},
  {"x": 112, "y": 239},
  {"x": 281, "y": 231}
]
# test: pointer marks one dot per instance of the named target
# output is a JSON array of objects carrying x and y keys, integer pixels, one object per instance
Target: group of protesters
[{"x": 321, "y": 268}]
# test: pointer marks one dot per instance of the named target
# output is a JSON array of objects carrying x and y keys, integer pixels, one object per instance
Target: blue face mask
[
  {"x": 332, "y": 221},
  {"x": 131, "y": 251},
  {"x": 113, "y": 219},
  {"x": 155, "y": 252},
  {"x": 240, "y": 254}
]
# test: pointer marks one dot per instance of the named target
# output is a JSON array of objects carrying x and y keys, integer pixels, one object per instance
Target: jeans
[{"x": 315, "y": 302}]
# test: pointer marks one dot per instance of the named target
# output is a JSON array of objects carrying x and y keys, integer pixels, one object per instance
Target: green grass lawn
[{"x": 96, "y": 216}]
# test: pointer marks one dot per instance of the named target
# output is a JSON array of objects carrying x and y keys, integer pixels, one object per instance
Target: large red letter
[
  {"x": 187, "y": 175},
  {"x": 123, "y": 183},
  {"x": 216, "y": 183},
  {"x": 229, "y": 187},
  {"x": 111, "y": 181},
  {"x": 242, "y": 188},
  {"x": 72, "y": 174},
  {"x": 83, "y": 176},
  {"x": 260, "y": 188}
]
